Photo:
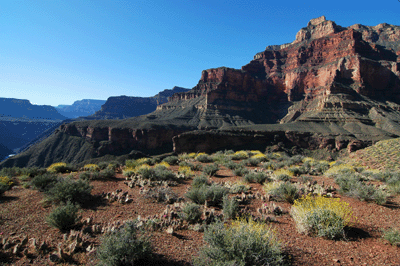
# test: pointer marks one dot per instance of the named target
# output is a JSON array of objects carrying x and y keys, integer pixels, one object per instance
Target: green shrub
[
  {"x": 135, "y": 163},
  {"x": 33, "y": 171},
  {"x": 392, "y": 236},
  {"x": 256, "y": 177},
  {"x": 107, "y": 173},
  {"x": 230, "y": 207},
  {"x": 10, "y": 171},
  {"x": 162, "y": 194},
  {"x": 64, "y": 217},
  {"x": 232, "y": 165},
  {"x": 91, "y": 167},
  {"x": 60, "y": 168},
  {"x": 204, "y": 158},
  {"x": 125, "y": 246},
  {"x": 199, "y": 181},
  {"x": 252, "y": 161},
  {"x": 102, "y": 165},
  {"x": 211, "y": 169},
  {"x": 191, "y": 212},
  {"x": 171, "y": 160},
  {"x": 220, "y": 157},
  {"x": 44, "y": 182},
  {"x": 67, "y": 189},
  {"x": 213, "y": 194},
  {"x": 305, "y": 178},
  {"x": 242, "y": 243},
  {"x": 238, "y": 187},
  {"x": 322, "y": 216},
  {"x": 285, "y": 191},
  {"x": 241, "y": 171}
]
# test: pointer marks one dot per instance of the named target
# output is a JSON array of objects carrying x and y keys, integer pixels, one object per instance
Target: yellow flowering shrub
[
  {"x": 165, "y": 164},
  {"x": 270, "y": 186},
  {"x": 5, "y": 181},
  {"x": 240, "y": 155},
  {"x": 91, "y": 167},
  {"x": 339, "y": 169},
  {"x": 56, "y": 167},
  {"x": 282, "y": 171},
  {"x": 322, "y": 216},
  {"x": 185, "y": 170}
]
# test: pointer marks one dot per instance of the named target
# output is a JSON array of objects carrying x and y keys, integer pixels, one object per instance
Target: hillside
[
  {"x": 333, "y": 88},
  {"x": 79, "y": 108}
]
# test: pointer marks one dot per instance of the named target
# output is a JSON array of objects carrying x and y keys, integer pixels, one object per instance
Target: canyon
[{"x": 333, "y": 87}]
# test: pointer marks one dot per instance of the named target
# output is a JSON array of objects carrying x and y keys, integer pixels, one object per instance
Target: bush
[
  {"x": 232, "y": 165},
  {"x": 241, "y": 171},
  {"x": 185, "y": 171},
  {"x": 252, "y": 161},
  {"x": 44, "y": 182},
  {"x": 92, "y": 175},
  {"x": 107, "y": 173},
  {"x": 199, "y": 181},
  {"x": 138, "y": 162},
  {"x": 60, "y": 168},
  {"x": 191, "y": 212},
  {"x": 64, "y": 217},
  {"x": 33, "y": 171},
  {"x": 212, "y": 194},
  {"x": 284, "y": 191},
  {"x": 103, "y": 165},
  {"x": 6, "y": 181},
  {"x": 238, "y": 187},
  {"x": 240, "y": 155},
  {"x": 11, "y": 172},
  {"x": 242, "y": 243},
  {"x": 204, "y": 158},
  {"x": 67, "y": 189},
  {"x": 91, "y": 167},
  {"x": 256, "y": 177},
  {"x": 211, "y": 169},
  {"x": 393, "y": 236},
  {"x": 125, "y": 246},
  {"x": 321, "y": 216},
  {"x": 171, "y": 160},
  {"x": 230, "y": 207}
]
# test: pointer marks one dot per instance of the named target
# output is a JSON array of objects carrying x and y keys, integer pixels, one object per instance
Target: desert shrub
[
  {"x": 256, "y": 177},
  {"x": 282, "y": 175},
  {"x": 113, "y": 165},
  {"x": 213, "y": 194},
  {"x": 85, "y": 175},
  {"x": 283, "y": 191},
  {"x": 211, "y": 169},
  {"x": 296, "y": 170},
  {"x": 252, "y": 161},
  {"x": 241, "y": 243},
  {"x": 238, "y": 187},
  {"x": 162, "y": 194},
  {"x": 204, "y": 158},
  {"x": 102, "y": 165},
  {"x": 60, "y": 168},
  {"x": 338, "y": 169},
  {"x": 230, "y": 207},
  {"x": 44, "y": 181},
  {"x": 322, "y": 216},
  {"x": 220, "y": 157},
  {"x": 107, "y": 173},
  {"x": 351, "y": 185},
  {"x": 6, "y": 181},
  {"x": 171, "y": 160},
  {"x": 269, "y": 165},
  {"x": 191, "y": 212},
  {"x": 124, "y": 246},
  {"x": 162, "y": 173},
  {"x": 305, "y": 178},
  {"x": 128, "y": 172},
  {"x": 135, "y": 163},
  {"x": 91, "y": 167},
  {"x": 10, "y": 171},
  {"x": 185, "y": 171},
  {"x": 392, "y": 236},
  {"x": 240, "y": 155},
  {"x": 199, "y": 181},
  {"x": 241, "y": 171},
  {"x": 64, "y": 217},
  {"x": 33, "y": 171},
  {"x": 67, "y": 189},
  {"x": 258, "y": 155},
  {"x": 232, "y": 165}
]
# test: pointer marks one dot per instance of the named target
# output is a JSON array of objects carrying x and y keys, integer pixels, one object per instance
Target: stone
[{"x": 170, "y": 230}]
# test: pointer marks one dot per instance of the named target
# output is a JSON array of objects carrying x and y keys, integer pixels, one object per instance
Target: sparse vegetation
[
  {"x": 242, "y": 243},
  {"x": 211, "y": 169},
  {"x": 64, "y": 217},
  {"x": 67, "y": 189},
  {"x": 230, "y": 207},
  {"x": 256, "y": 177},
  {"x": 392, "y": 236},
  {"x": 125, "y": 246},
  {"x": 191, "y": 212}
]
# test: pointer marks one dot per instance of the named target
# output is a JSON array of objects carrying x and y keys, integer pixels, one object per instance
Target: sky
[{"x": 56, "y": 52}]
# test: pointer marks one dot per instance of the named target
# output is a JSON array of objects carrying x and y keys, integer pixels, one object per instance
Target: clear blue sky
[{"x": 55, "y": 52}]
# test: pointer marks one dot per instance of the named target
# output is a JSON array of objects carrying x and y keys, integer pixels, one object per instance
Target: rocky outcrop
[{"x": 121, "y": 107}]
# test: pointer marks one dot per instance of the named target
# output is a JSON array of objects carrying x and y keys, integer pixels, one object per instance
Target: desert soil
[{"x": 23, "y": 214}]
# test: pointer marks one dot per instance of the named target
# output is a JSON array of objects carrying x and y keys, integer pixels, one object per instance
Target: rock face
[
  {"x": 121, "y": 107},
  {"x": 332, "y": 88},
  {"x": 84, "y": 107}
]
